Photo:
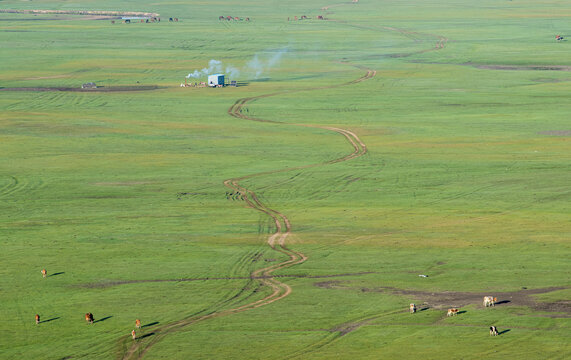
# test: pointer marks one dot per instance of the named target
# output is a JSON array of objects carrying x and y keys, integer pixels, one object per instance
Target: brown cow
[
  {"x": 452, "y": 312},
  {"x": 37, "y": 319},
  {"x": 89, "y": 318},
  {"x": 138, "y": 324},
  {"x": 489, "y": 301},
  {"x": 44, "y": 272},
  {"x": 134, "y": 335}
]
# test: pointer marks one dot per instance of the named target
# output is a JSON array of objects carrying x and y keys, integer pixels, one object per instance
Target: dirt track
[{"x": 277, "y": 241}]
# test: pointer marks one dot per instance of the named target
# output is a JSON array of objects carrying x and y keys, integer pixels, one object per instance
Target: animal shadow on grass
[
  {"x": 146, "y": 335},
  {"x": 503, "y": 302},
  {"x": 423, "y": 309},
  {"x": 48, "y": 320},
  {"x": 103, "y": 319},
  {"x": 462, "y": 312},
  {"x": 150, "y": 324},
  {"x": 58, "y": 273},
  {"x": 503, "y": 332}
]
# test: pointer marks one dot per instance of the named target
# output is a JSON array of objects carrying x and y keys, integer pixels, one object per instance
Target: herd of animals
[
  {"x": 488, "y": 301},
  {"x": 89, "y": 316}
]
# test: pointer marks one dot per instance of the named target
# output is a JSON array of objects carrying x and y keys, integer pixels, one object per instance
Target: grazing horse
[
  {"x": 412, "y": 308},
  {"x": 37, "y": 319},
  {"x": 44, "y": 272},
  {"x": 134, "y": 335},
  {"x": 138, "y": 324},
  {"x": 489, "y": 301},
  {"x": 89, "y": 318},
  {"x": 452, "y": 312},
  {"x": 493, "y": 331}
]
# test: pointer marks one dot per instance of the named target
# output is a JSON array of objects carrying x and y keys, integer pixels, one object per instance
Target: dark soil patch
[
  {"x": 98, "y": 89},
  {"x": 80, "y": 12},
  {"x": 556, "y": 133},
  {"x": 548, "y": 80},
  {"x": 522, "y": 67},
  {"x": 448, "y": 299}
]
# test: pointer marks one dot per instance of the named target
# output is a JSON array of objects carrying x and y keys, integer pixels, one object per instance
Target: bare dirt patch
[
  {"x": 556, "y": 133},
  {"x": 522, "y": 67},
  {"x": 550, "y": 81},
  {"x": 447, "y": 299},
  {"x": 78, "y": 89},
  {"x": 88, "y": 14}
]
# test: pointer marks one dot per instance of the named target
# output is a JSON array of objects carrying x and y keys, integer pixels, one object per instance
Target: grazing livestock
[
  {"x": 493, "y": 331},
  {"x": 134, "y": 335},
  {"x": 37, "y": 319},
  {"x": 138, "y": 324},
  {"x": 412, "y": 308},
  {"x": 490, "y": 301},
  {"x": 89, "y": 318},
  {"x": 452, "y": 312},
  {"x": 44, "y": 273}
]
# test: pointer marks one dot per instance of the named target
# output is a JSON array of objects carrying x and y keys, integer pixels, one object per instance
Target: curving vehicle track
[{"x": 276, "y": 241}]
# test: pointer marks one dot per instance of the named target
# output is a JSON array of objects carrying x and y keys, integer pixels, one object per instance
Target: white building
[{"x": 216, "y": 80}]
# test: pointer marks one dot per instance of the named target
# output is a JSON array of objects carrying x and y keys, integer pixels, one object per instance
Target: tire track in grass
[{"x": 276, "y": 241}]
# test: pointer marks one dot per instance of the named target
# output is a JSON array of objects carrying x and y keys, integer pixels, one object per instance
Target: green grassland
[{"x": 120, "y": 195}]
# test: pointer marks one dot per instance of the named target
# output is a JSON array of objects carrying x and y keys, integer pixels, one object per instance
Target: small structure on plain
[
  {"x": 89, "y": 85},
  {"x": 216, "y": 80}
]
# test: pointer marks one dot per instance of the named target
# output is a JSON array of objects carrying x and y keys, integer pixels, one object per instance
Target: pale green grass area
[{"x": 120, "y": 195}]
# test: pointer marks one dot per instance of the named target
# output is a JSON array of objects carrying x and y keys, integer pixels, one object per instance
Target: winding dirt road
[{"x": 276, "y": 241}]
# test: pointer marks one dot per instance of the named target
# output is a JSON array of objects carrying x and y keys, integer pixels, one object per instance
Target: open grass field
[{"x": 288, "y": 217}]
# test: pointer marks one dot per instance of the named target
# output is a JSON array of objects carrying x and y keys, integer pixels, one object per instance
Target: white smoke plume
[
  {"x": 214, "y": 66},
  {"x": 260, "y": 65}
]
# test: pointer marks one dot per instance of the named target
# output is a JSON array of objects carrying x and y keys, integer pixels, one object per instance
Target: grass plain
[{"x": 120, "y": 195}]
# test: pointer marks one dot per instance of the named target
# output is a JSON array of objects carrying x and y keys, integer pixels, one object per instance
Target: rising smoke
[{"x": 260, "y": 65}]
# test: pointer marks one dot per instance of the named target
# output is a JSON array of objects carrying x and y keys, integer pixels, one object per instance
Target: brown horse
[{"x": 89, "y": 318}]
